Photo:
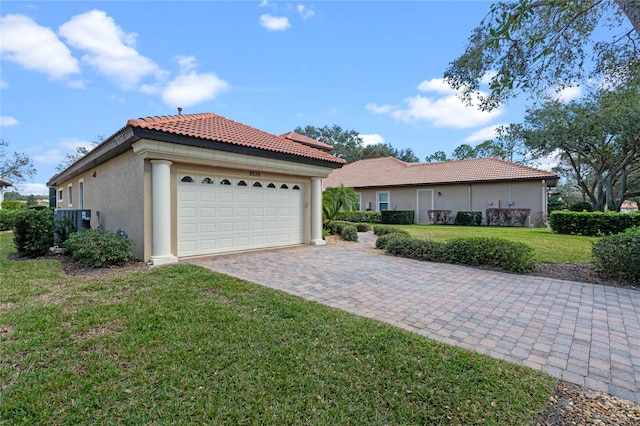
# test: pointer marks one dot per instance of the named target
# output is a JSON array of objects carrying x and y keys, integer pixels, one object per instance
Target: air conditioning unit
[{"x": 75, "y": 219}]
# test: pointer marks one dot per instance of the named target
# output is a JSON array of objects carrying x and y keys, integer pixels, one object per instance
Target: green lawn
[
  {"x": 183, "y": 345},
  {"x": 549, "y": 247}
]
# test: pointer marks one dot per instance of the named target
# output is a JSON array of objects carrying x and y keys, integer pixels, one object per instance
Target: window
[
  {"x": 70, "y": 196},
  {"x": 242, "y": 183},
  {"x": 60, "y": 193},
  {"x": 383, "y": 200},
  {"x": 359, "y": 206},
  {"x": 271, "y": 185},
  {"x": 187, "y": 179},
  {"x": 207, "y": 181},
  {"x": 225, "y": 182},
  {"x": 296, "y": 187},
  {"x": 81, "y": 195},
  {"x": 284, "y": 186},
  {"x": 257, "y": 185}
]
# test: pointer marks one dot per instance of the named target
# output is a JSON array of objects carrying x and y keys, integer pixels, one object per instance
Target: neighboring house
[
  {"x": 198, "y": 184},
  {"x": 466, "y": 185},
  {"x": 628, "y": 206},
  {"x": 4, "y": 185}
]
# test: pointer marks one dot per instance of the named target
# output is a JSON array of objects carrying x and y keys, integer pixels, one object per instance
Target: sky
[{"x": 73, "y": 72}]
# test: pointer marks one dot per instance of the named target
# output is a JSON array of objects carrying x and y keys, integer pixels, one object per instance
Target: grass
[
  {"x": 181, "y": 344},
  {"x": 549, "y": 247}
]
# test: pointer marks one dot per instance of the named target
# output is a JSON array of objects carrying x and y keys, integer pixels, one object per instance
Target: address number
[{"x": 255, "y": 174}]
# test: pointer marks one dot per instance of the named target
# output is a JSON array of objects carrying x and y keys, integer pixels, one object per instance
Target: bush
[
  {"x": 581, "y": 206},
  {"x": 33, "y": 232},
  {"x": 97, "y": 248},
  {"x": 363, "y": 227},
  {"x": 507, "y": 217},
  {"x": 382, "y": 230},
  {"x": 468, "y": 218},
  {"x": 397, "y": 217},
  {"x": 592, "y": 223},
  {"x": 618, "y": 256},
  {"x": 336, "y": 226},
  {"x": 439, "y": 217},
  {"x": 496, "y": 252},
  {"x": 360, "y": 216},
  {"x": 349, "y": 233},
  {"x": 13, "y": 205},
  {"x": 8, "y": 219}
]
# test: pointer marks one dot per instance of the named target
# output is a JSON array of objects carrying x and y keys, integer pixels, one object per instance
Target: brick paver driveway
[{"x": 582, "y": 333}]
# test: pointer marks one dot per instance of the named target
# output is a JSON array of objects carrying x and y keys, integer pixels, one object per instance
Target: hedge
[
  {"x": 13, "y": 205},
  {"x": 468, "y": 218},
  {"x": 33, "y": 232},
  {"x": 507, "y": 217},
  {"x": 397, "y": 217},
  {"x": 440, "y": 217},
  {"x": 496, "y": 252},
  {"x": 8, "y": 219},
  {"x": 383, "y": 230},
  {"x": 592, "y": 223},
  {"x": 618, "y": 256},
  {"x": 360, "y": 216},
  {"x": 97, "y": 248}
]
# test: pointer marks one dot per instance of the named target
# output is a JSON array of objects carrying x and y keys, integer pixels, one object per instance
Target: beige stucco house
[
  {"x": 199, "y": 184},
  {"x": 467, "y": 185}
]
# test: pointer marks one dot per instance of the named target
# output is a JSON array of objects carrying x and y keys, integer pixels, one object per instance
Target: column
[
  {"x": 316, "y": 212},
  {"x": 161, "y": 213}
]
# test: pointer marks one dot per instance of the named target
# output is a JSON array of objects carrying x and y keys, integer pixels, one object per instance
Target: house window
[
  {"x": 383, "y": 200},
  {"x": 284, "y": 186},
  {"x": 207, "y": 181},
  {"x": 187, "y": 179},
  {"x": 271, "y": 185},
  {"x": 359, "y": 206},
  {"x": 257, "y": 185},
  {"x": 60, "y": 195},
  {"x": 70, "y": 195},
  {"x": 242, "y": 183},
  {"x": 296, "y": 187},
  {"x": 225, "y": 182},
  {"x": 81, "y": 195}
]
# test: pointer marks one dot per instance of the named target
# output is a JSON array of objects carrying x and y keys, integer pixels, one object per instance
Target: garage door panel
[{"x": 216, "y": 218}]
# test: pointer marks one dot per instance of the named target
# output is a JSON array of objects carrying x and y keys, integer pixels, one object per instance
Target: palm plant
[{"x": 337, "y": 199}]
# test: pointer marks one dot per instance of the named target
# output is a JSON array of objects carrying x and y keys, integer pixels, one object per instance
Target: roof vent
[{"x": 179, "y": 110}]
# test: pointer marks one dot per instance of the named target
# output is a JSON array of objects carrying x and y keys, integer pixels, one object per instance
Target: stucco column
[
  {"x": 161, "y": 213},
  {"x": 316, "y": 212}
]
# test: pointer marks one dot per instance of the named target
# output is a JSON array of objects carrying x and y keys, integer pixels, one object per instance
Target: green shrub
[
  {"x": 363, "y": 227},
  {"x": 397, "y": 217},
  {"x": 496, "y": 252},
  {"x": 581, "y": 206},
  {"x": 8, "y": 219},
  {"x": 382, "y": 230},
  {"x": 440, "y": 217},
  {"x": 618, "y": 256},
  {"x": 97, "y": 248},
  {"x": 349, "y": 233},
  {"x": 592, "y": 223},
  {"x": 13, "y": 205},
  {"x": 468, "y": 218},
  {"x": 336, "y": 226},
  {"x": 360, "y": 216},
  {"x": 64, "y": 226},
  {"x": 33, "y": 231}
]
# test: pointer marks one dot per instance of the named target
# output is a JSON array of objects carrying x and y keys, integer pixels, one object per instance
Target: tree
[
  {"x": 464, "y": 152},
  {"x": 437, "y": 157},
  {"x": 348, "y": 144},
  {"x": 15, "y": 168},
  {"x": 338, "y": 199},
  {"x": 598, "y": 140},
  {"x": 533, "y": 45},
  {"x": 77, "y": 154}
]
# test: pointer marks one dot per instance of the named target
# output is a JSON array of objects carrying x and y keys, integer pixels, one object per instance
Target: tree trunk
[{"x": 631, "y": 8}]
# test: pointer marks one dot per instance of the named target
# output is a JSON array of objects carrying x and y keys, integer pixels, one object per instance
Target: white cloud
[
  {"x": 109, "y": 49},
  {"x": 305, "y": 12},
  {"x": 35, "y": 48},
  {"x": 373, "y": 139},
  {"x": 483, "y": 134},
  {"x": 264, "y": 3},
  {"x": 443, "y": 108},
  {"x": 50, "y": 156},
  {"x": 32, "y": 189},
  {"x": 274, "y": 23},
  {"x": 380, "y": 109},
  {"x": 76, "y": 84},
  {"x": 6, "y": 121},
  {"x": 566, "y": 94},
  {"x": 4, "y": 84},
  {"x": 191, "y": 88}
]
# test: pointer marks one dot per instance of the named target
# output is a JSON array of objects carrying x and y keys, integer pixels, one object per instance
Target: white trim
[
  {"x": 378, "y": 193},
  {"x": 81, "y": 194},
  {"x": 70, "y": 195}
]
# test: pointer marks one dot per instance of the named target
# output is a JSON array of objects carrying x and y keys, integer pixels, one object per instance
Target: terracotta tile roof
[
  {"x": 213, "y": 127},
  {"x": 629, "y": 205},
  {"x": 297, "y": 137},
  {"x": 390, "y": 171},
  {"x": 4, "y": 182}
]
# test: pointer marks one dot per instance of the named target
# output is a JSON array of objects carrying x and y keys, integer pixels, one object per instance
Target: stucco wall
[
  {"x": 464, "y": 197},
  {"x": 116, "y": 190}
]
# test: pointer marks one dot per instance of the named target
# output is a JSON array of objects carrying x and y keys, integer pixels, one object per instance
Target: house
[
  {"x": 628, "y": 206},
  {"x": 4, "y": 185},
  {"x": 466, "y": 185},
  {"x": 199, "y": 184}
]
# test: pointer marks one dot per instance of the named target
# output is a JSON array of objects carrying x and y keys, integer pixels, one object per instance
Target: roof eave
[{"x": 550, "y": 181}]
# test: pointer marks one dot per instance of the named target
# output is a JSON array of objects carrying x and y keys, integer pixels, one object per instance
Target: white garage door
[{"x": 218, "y": 214}]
